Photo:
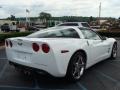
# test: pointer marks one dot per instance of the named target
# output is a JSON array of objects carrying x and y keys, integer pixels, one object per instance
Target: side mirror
[{"x": 104, "y": 38}]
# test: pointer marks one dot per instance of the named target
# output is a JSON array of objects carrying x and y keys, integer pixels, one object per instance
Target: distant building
[
  {"x": 9, "y": 22},
  {"x": 102, "y": 21},
  {"x": 41, "y": 23},
  {"x": 2, "y": 21}
]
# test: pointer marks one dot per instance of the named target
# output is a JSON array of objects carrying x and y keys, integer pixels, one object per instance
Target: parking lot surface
[{"x": 102, "y": 76}]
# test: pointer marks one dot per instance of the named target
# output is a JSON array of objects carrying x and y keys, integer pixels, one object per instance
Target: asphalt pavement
[{"x": 102, "y": 76}]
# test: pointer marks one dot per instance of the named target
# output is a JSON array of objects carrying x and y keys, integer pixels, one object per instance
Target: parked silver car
[{"x": 79, "y": 24}]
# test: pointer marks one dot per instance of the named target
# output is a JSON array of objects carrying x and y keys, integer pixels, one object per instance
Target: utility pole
[
  {"x": 27, "y": 14},
  {"x": 99, "y": 12},
  {"x": 0, "y": 6},
  {"x": 27, "y": 19}
]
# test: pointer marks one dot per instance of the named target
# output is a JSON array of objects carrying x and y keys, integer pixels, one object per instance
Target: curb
[{"x": 2, "y": 47}]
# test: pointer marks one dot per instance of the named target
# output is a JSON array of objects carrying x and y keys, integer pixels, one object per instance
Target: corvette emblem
[{"x": 20, "y": 43}]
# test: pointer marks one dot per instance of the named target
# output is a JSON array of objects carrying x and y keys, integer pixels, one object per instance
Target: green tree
[
  {"x": 12, "y": 17},
  {"x": 44, "y": 15},
  {"x": 90, "y": 19},
  {"x": 119, "y": 20}
]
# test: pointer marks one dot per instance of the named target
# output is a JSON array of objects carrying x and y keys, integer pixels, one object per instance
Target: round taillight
[
  {"x": 45, "y": 48},
  {"x": 6, "y": 43},
  {"x": 35, "y": 47},
  {"x": 10, "y": 43}
]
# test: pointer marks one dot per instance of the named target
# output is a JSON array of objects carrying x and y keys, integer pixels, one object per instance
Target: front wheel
[
  {"x": 76, "y": 67},
  {"x": 114, "y": 51}
]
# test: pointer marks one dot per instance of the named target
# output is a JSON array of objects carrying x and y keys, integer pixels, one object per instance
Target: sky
[{"x": 109, "y": 8}]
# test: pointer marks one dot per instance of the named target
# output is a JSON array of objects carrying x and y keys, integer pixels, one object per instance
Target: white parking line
[
  {"x": 115, "y": 65},
  {"x": 81, "y": 86},
  {"x": 108, "y": 77},
  {"x": 15, "y": 87},
  {"x": 3, "y": 58},
  {"x": 36, "y": 83},
  {"x": 3, "y": 70},
  {"x": 2, "y": 47}
]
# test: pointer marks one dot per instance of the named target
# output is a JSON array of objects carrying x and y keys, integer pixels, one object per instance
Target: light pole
[
  {"x": 0, "y": 28},
  {"x": 27, "y": 13},
  {"x": 99, "y": 12},
  {"x": 27, "y": 19}
]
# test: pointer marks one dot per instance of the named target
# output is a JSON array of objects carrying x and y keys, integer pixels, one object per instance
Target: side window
[
  {"x": 52, "y": 34},
  {"x": 67, "y": 33},
  {"x": 88, "y": 34},
  {"x": 71, "y": 33}
]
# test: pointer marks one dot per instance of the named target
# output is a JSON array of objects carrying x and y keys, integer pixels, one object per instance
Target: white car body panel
[{"x": 55, "y": 62}]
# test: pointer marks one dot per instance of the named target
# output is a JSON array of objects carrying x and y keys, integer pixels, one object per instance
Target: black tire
[
  {"x": 114, "y": 51},
  {"x": 76, "y": 67}
]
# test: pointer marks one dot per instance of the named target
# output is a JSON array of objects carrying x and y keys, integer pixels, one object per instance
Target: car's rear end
[{"x": 34, "y": 53}]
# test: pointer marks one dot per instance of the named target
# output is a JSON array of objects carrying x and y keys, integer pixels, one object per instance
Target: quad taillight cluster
[
  {"x": 8, "y": 43},
  {"x": 45, "y": 47},
  {"x": 36, "y": 47}
]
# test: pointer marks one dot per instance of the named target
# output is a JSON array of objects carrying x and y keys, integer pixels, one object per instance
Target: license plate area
[{"x": 23, "y": 56}]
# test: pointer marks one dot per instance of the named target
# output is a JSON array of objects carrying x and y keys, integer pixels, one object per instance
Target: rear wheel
[
  {"x": 76, "y": 67},
  {"x": 114, "y": 51}
]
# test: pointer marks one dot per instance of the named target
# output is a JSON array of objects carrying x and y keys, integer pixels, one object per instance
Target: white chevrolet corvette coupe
[{"x": 60, "y": 51}]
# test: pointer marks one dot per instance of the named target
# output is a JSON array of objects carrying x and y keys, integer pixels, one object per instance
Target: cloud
[{"x": 110, "y": 8}]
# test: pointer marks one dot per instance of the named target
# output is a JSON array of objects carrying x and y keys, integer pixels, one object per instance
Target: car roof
[
  {"x": 79, "y": 23},
  {"x": 54, "y": 29},
  {"x": 64, "y": 27},
  {"x": 58, "y": 28},
  {"x": 74, "y": 22}
]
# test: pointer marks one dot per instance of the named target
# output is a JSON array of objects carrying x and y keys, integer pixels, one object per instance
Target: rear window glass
[
  {"x": 66, "y": 33},
  {"x": 68, "y": 24}
]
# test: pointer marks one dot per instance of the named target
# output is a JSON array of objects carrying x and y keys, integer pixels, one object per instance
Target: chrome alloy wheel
[
  {"x": 78, "y": 67},
  {"x": 114, "y": 51}
]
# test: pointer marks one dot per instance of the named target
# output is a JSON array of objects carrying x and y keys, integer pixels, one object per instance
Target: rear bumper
[
  {"x": 56, "y": 67},
  {"x": 38, "y": 68},
  {"x": 27, "y": 68}
]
